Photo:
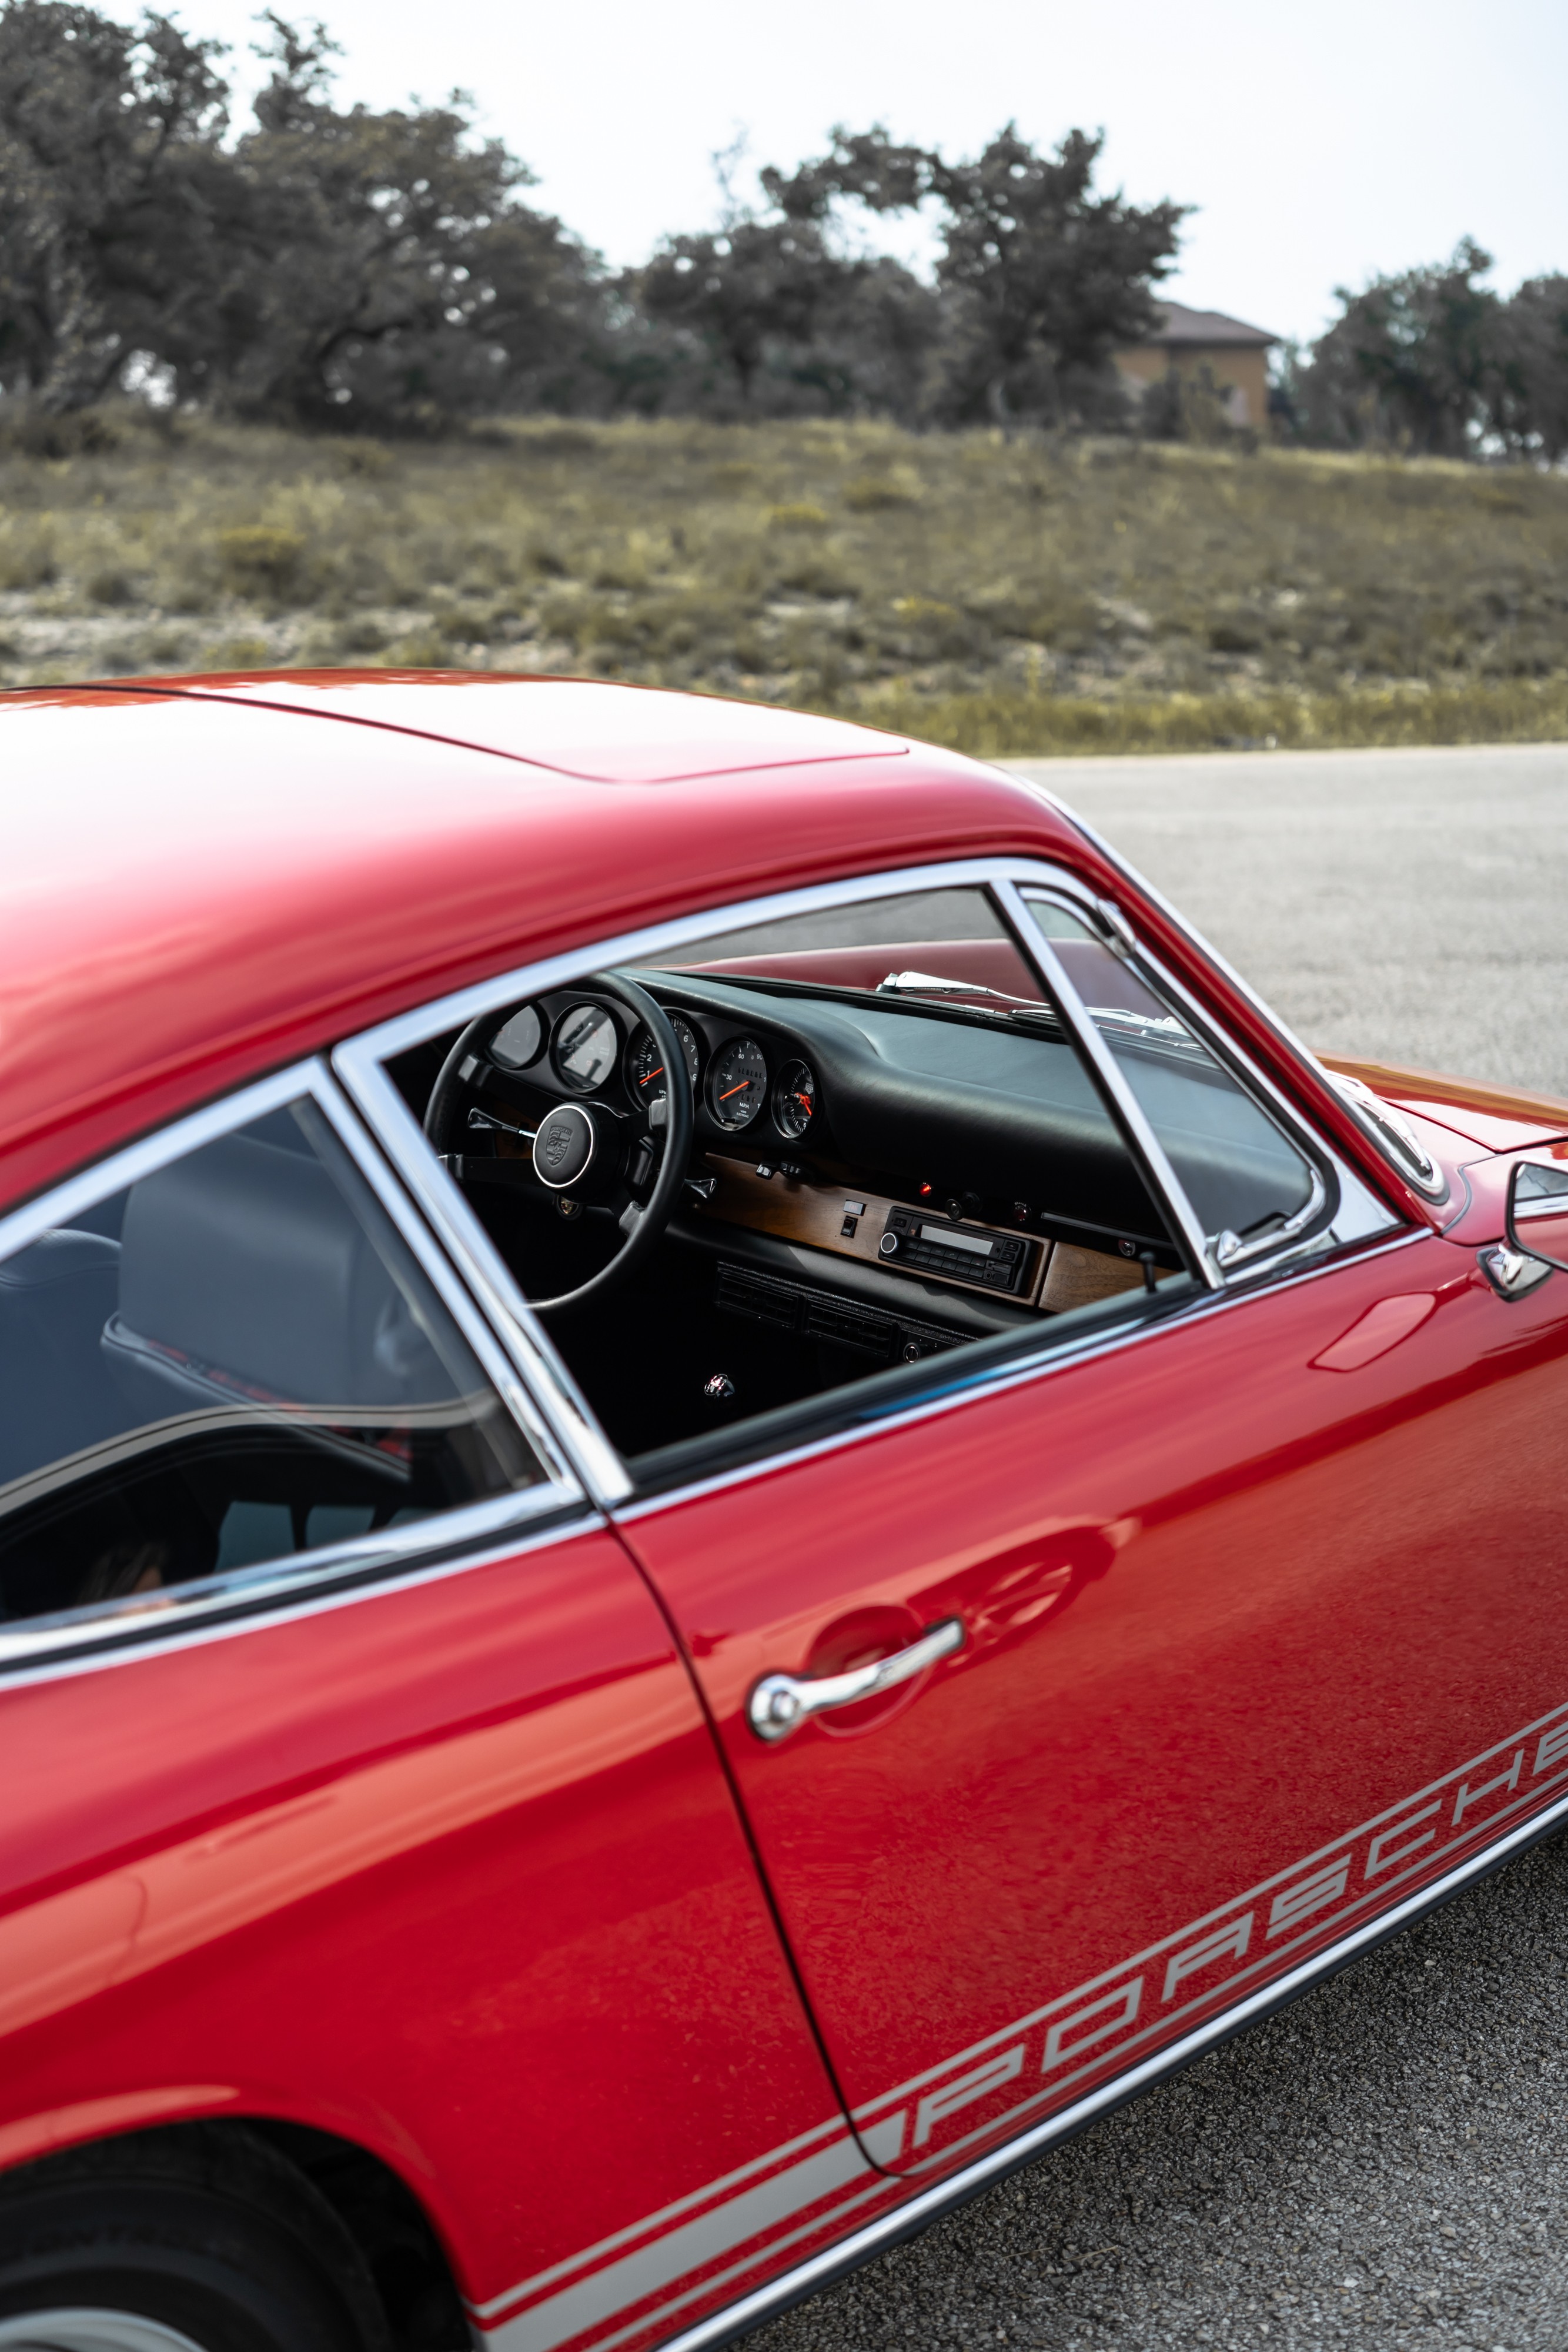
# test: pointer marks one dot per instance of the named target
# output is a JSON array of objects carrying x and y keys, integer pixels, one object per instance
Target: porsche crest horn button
[{"x": 563, "y": 1147}]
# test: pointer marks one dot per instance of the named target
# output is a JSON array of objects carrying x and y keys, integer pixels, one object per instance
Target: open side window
[{"x": 930, "y": 1122}]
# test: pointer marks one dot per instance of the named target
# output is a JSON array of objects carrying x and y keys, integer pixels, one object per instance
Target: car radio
[{"x": 925, "y": 1245}]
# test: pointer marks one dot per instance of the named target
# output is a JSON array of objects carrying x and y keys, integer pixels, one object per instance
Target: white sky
[{"x": 1320, "y": 143}]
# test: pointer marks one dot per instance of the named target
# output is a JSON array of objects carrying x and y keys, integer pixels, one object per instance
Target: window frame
[
  {"x": 1403, "y": 1155},
  {"x": 1226, "y": 1257},
  {"x": 126, "y": 1626},
  {"x": 361, "y": 1063}
]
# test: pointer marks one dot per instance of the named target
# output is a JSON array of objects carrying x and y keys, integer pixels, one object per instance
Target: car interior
[
  {"x": 897, "y": 1150},
  {"x": 761, "y": 1180}
]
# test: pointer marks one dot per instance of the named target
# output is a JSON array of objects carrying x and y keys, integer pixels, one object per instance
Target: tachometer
[
  {"x": 646, "y": 1079},
  {"x": 586, "y": 1046},
  {"x": 794, "y": 1100},
  {"x": 738, "y": 1083}
]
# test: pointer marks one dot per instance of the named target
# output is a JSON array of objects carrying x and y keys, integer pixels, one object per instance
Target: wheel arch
[{"x": 390, "y": 2224}]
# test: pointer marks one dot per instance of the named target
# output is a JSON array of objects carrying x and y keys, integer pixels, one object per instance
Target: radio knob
[{"x": 888, "y": 1245}]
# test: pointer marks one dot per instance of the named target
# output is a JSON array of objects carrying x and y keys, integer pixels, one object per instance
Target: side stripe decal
[
  {"x": 945, "y": 2195},
  {"x": 1126, "y": 2010},
  {"x": 1336, "y": 1895},
  {"x": 652, "y": 2222},
  {"x": 661, "y": 2261}
]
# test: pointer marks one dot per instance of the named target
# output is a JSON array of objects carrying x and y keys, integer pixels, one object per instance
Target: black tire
[{"x": 205, "y": 2231}]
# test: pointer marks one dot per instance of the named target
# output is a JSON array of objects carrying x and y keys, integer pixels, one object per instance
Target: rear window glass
[{"x": 233, "y": 1360}]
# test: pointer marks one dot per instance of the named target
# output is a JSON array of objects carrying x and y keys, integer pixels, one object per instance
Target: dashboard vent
[
  {"x": 827, "y": 1316},
  {"x": 852, "y": 1326},
  {"x": 743, "y": 1293}
]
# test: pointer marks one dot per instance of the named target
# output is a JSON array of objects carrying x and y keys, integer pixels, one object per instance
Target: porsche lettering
[{"x": 754, "y": 1467}]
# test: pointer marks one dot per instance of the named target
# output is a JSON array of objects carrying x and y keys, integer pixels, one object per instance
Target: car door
[
  {"x": 1236, "y": 1641},
  {"x": 353, "y": 1779}
]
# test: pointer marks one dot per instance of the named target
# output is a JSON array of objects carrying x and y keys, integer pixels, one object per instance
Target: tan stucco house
[{"x": 1235, "y": 355}]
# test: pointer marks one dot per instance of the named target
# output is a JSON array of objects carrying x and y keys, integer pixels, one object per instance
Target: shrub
[
  {"x": 1174, "y": 596},
  {"x": 237, "y": 653},
  {"x": 873, "y": 494},
  {"x": 798, "y": 515},
  {"x": 26, "y": 553},
  {"x": 262, "y": 560},
  {"x": 111, "y": 587}
]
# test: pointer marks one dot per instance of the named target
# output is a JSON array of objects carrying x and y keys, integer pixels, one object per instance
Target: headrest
[
  {"x": 62, "y": 1256},
  {"x": 249, "y": 1260}
]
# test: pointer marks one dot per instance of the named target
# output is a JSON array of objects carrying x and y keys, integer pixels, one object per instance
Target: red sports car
[{"x": 724, "y": 1493}]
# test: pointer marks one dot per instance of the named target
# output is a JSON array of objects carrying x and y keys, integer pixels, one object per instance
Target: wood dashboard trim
[
  {"x": 795, "y": 1209},
  {"x": 1062, "y": 1275}
]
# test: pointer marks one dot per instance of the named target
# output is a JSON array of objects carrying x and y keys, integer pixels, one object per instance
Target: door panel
[
  {"x": 450, "y": 1869},
  {"x": 1251, "y": 1602}
]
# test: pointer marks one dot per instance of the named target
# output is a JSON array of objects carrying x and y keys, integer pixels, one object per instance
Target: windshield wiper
[
  {"x": 928, "y": 983},
  {"x": 1160, "y": 1030}
]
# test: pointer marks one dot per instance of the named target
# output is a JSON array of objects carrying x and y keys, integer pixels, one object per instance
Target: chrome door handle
[{"x": 779, "y": 1702}]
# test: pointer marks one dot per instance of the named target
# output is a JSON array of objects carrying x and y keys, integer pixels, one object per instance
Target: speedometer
[
  {"x": 738, "y": 1083},
  {"x": 586, "y": 1045},
  {"x": 646, "y": 1079}
]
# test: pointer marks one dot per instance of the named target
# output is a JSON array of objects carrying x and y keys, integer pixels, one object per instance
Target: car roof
[{"x": 205, "y": 877}]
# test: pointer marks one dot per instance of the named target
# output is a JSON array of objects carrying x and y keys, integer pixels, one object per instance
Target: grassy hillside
[{"x": 1001, "y": 595}]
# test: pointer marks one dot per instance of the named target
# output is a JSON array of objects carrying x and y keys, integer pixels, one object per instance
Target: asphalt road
[
  {"x": 1401, "y": 906},
  {"x": 1386, "y": 2162}
]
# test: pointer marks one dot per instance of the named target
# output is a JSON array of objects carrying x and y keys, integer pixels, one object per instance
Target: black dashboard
[{"x": 930, "y": 1123}]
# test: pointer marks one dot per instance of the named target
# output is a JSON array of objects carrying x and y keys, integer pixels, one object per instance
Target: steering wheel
[{"x": 583, "y": 1151}]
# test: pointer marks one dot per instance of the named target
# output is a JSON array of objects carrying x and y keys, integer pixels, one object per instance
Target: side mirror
[{"x": 1538, "y": 1214}]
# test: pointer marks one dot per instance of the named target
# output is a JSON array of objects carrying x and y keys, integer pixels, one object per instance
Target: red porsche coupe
[{"x": 724, "y": 1493}]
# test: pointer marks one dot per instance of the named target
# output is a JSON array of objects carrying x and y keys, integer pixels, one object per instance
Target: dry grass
[{"x": 1003, "y": 595}]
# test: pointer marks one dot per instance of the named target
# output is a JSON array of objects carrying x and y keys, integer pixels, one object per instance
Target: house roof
[{"x": 1210, "y": 328}]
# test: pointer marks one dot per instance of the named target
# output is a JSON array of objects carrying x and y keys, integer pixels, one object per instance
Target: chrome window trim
[
  {"x": 474, "y": 1326},
  {"x": 1269, "y": 1249},
  {"x": 1437, "y": 1191},
  {"x": 1255, "y": 1081},
  {"x": 123, "y": 1627},
  {"x": 126, "y": 1626},
  {"x": 532, "y": 1359},
  {"x": 995, "y": 1380},
  {"x": 562, "y": 1522},
  {"x": 359, "y": 1063},
  {"x": 461, "y": 1006},
  {"x": 916, "y": 2213},
  {"x": 128, "y": 1165},
  {"x": 1162, "y": 1178}
]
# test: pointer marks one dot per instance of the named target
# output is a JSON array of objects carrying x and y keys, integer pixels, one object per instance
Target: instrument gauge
[
  {"x": 645, "y": 1080},
  {"x": 738, "y": 1083},
  {"x": 587, "y": 1047},
  {"x": 794, "y": 1100},
  {"x": 516, "y": 1042}
]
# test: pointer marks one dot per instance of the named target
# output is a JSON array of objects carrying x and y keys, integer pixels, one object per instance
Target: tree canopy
[
  {"x": 343, "y": 265},
  {"x": 1042, "y": 277},
  {"x": 1435, "y": 361},
  {"x": 329, "y": 262}
]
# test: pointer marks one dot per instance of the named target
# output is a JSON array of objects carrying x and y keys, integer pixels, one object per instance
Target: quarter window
[
  {"x": 1233, "y": 1162},
  {"x": 233, "y": 1359}
]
